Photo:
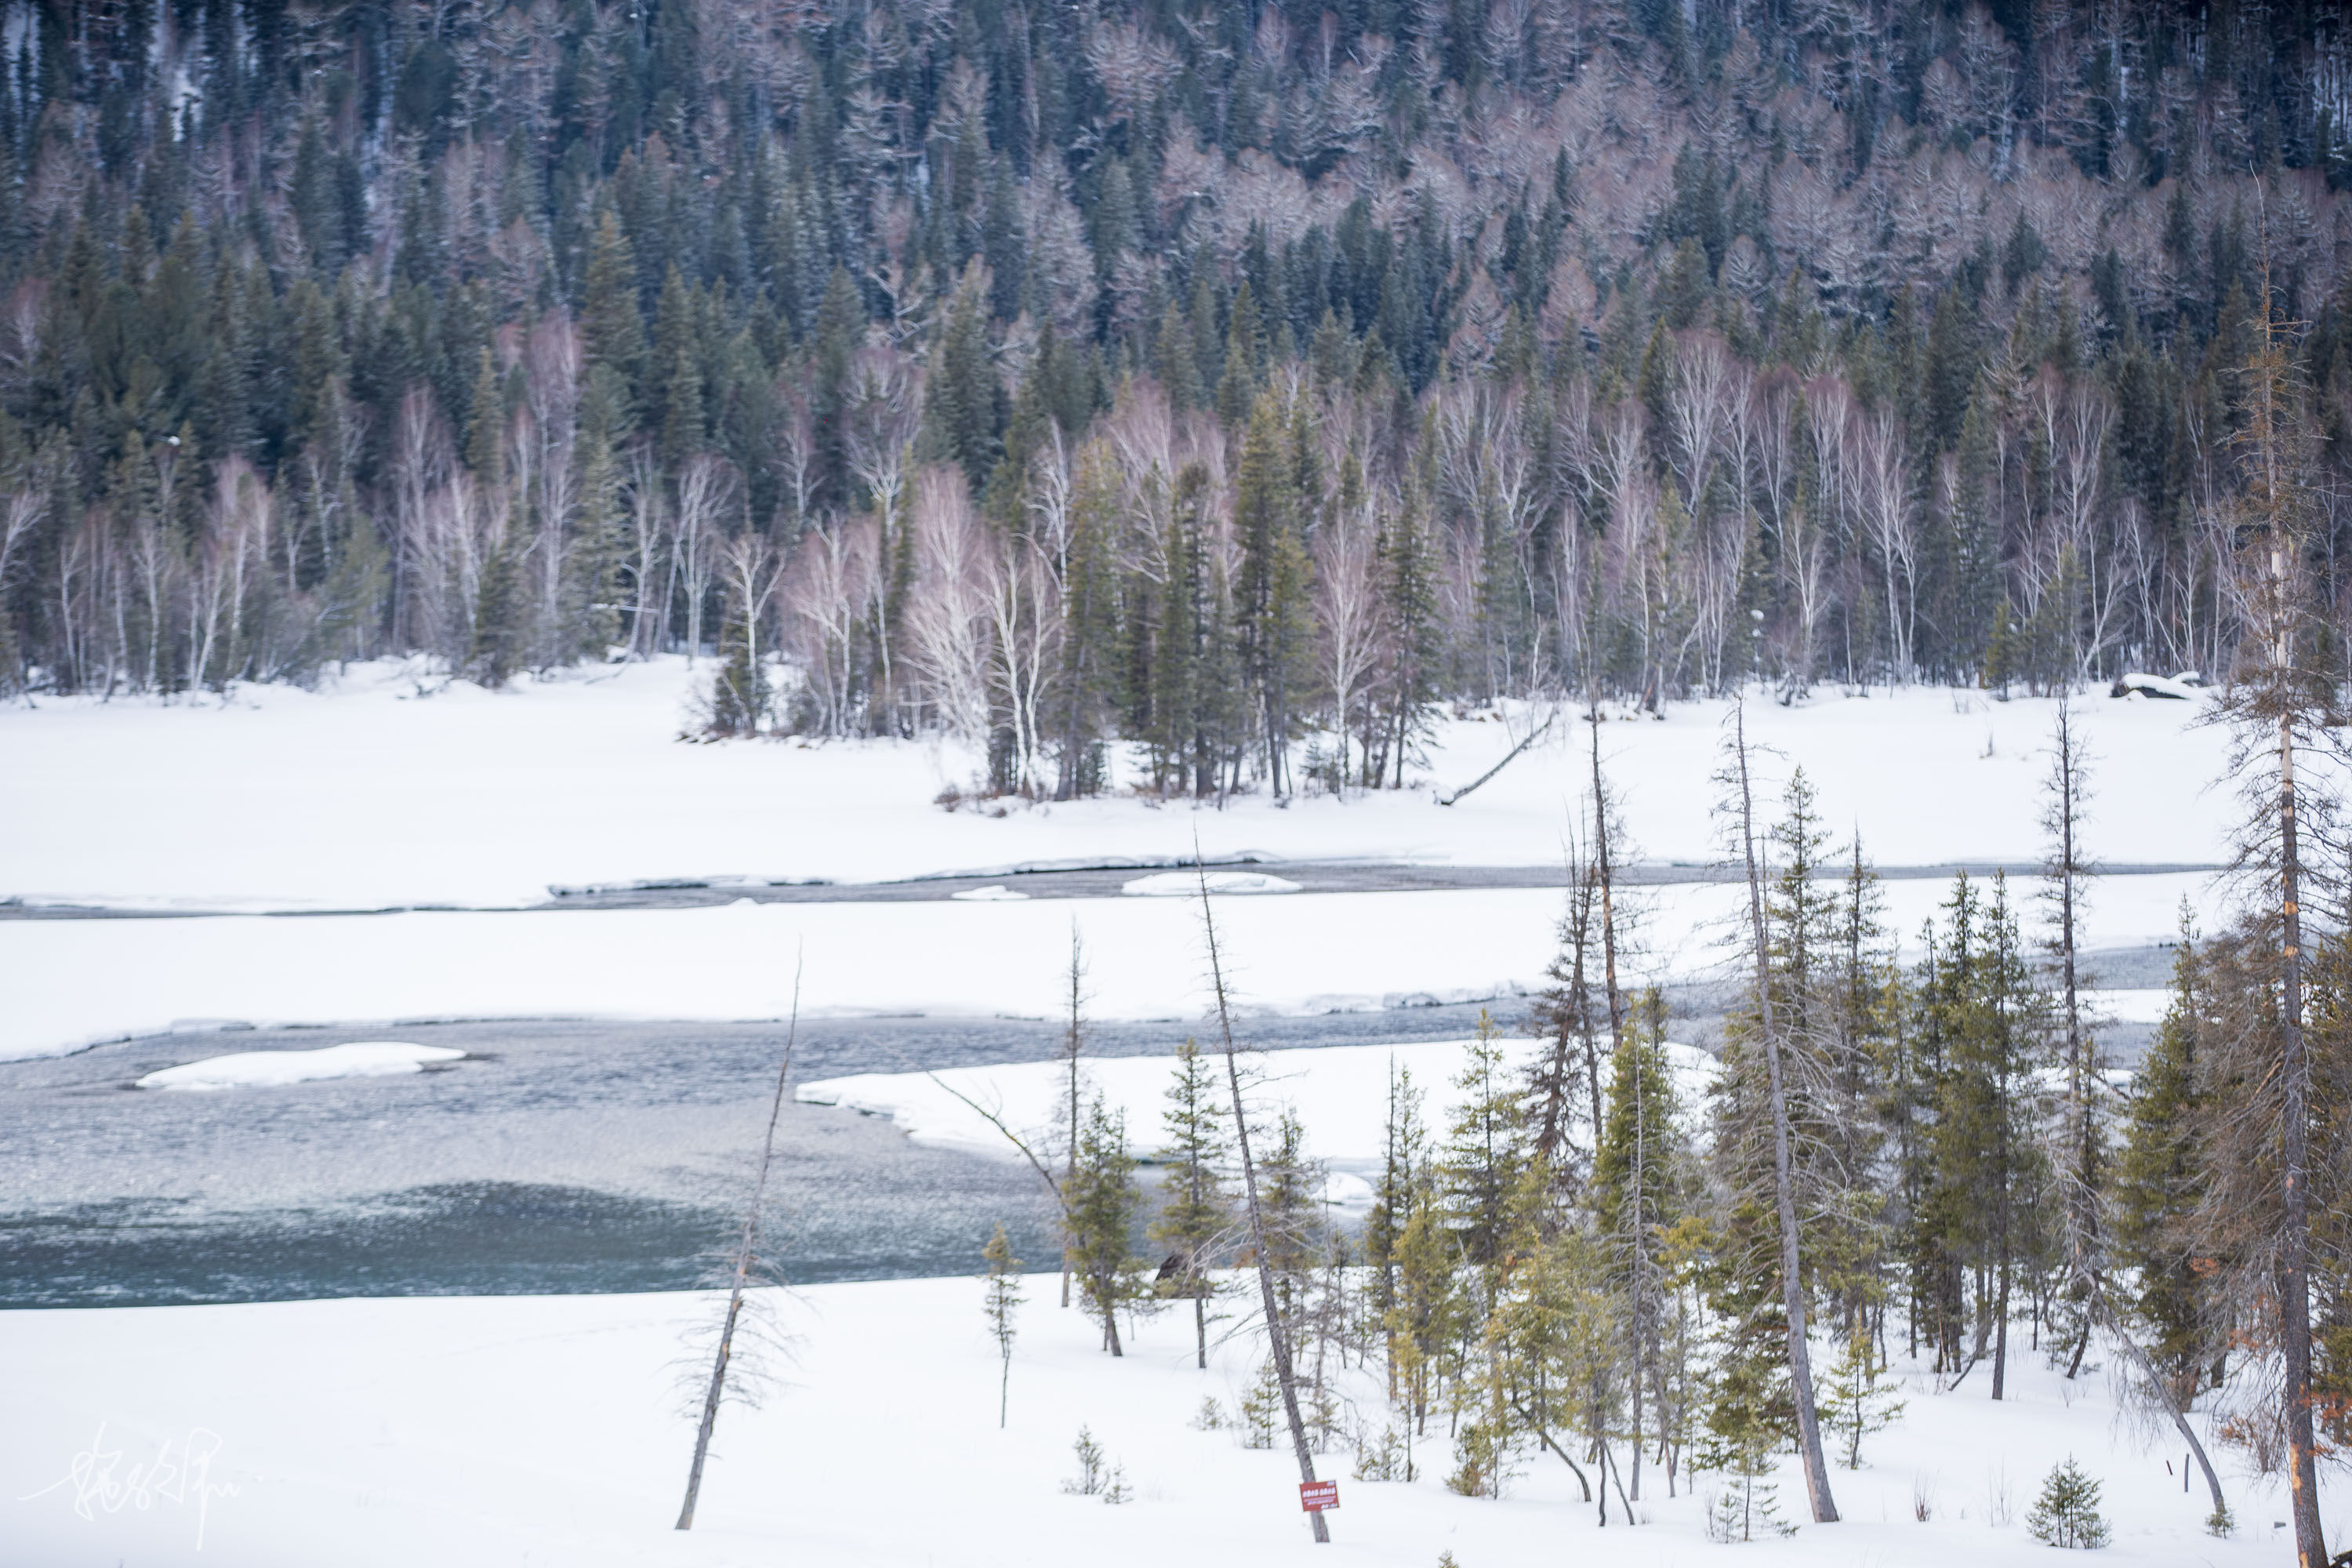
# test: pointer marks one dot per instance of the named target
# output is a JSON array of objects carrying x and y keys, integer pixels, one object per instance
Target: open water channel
[
  {"x": 563, "y": 1156},
  {"x": 555, "y": 1157}
]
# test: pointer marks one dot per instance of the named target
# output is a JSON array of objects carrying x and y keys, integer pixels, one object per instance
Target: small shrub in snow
[
  {"x": 1210, "y": 1418},
  {"x": 2067, "y": 1512},
  {"x": 1094, "y": 1472},
  {"x": 1747, "y": 1508},
  {"x": 2001, "y": 1498},
  {"x": 1481, "y": 1456},
  {"x": 1261, "y": 1410},
  {"x": 1387, "y": 1458},
  {"x": 1116, "y": 1489}
]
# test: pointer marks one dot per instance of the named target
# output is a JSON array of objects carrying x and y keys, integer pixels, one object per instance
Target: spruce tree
[
  {"x": 1196, "y": 1214},
  {"x": 612, "y": 329},
  {"x": 1100, "y": 1209},
  {"x": 1270, "y": 593},
  {"x": 2066, "y": 1514}
]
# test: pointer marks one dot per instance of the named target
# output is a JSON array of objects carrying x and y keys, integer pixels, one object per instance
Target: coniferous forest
[{"x": 1207, "y": 377}]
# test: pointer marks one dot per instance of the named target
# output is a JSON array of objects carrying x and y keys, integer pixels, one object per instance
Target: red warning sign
[{"x": 1314, "y": 1497}]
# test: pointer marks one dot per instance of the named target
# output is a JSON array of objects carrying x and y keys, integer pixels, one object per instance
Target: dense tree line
[{"x": 1236, "y": 380}]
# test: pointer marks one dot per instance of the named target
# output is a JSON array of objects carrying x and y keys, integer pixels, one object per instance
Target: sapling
[
  {"x": 1858, "y": 1404},
  {"x": 1096, "y": 1477},
  {"x": 1002, "y": 1301},
  {"x": 2067, "y": 1512}
]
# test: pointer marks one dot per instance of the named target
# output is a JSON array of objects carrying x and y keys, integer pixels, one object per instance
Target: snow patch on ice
[
  {"x": 1188, "y": 884},
  {"x": 262, "y": 1069},
  {"x": 997, "y": 894}
]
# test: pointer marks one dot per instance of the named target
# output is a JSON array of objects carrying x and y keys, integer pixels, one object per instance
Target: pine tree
[
  {"x": 1858, "y": 1405},
  {"x": 2066, "y": 793},
  {"x": 1001, "y": 1304},
  {"x": 2158, "y": 1182},
  {"x": 1411, "y": 633},
  {"x": 1100, "y": 1209},
  {"x": 1291, "y": 1198},
  {"x": 674, "y": 390},
  {"x": 1637, "y": 1197},
  {"x": 612, "y": 329},
  {"x": 963, "y": 406},
  {"x": 1197, "y": 1212},
  {"x": 2066, "y": 1514},
  {"x": 1086, "y": 681},
  {"x": 1484, "y": 1159},
  {"x": 1270, "y": 595},
  {"x": 1565, "y": 1077},
  {"x": 1403, "y": 1140},
  {"x": 498, "y": 618}
]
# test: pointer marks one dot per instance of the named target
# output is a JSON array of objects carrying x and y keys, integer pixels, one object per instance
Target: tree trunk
[
  {"x": 743, "y": 1254},
  {"x": 2294, "y": 1259},
  {"x": 1792, "y": 1289},
  {"x": 1277, "y": 1340}
]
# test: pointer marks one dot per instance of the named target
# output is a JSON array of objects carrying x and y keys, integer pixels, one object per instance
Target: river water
[
  {"x": 556, "y": 1157},
  {"x": 566, "y": 1156}
]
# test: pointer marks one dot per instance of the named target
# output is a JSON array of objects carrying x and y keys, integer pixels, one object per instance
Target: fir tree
[
  {"x": 2066, "y": 1514},
  {"x": 1197, "y": 1212},
  {"x": 1100, "y": 1209},
  {"x": 2157, "y": 1185},
  {"x": 1001, "y": 1304}
]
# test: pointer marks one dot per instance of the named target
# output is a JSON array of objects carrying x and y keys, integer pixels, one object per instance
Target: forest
[
  {"x": 1194, "y": 398},
  {"x": 1597, "y": 1257},
  {"x": 1239, "y": 381}
]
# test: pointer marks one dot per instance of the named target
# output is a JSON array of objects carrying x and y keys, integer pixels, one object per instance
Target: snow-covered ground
[
  {"x": 463, "y": 1431},
  {"x": 519, "y": 1430},
  {"x": 373, "y": 794},
  {"x": 75, "y": 982}
]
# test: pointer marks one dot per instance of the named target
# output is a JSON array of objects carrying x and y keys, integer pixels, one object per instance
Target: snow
[
  {"x": 382, "y": 791},
  {"x": 1190, "y": 884},
  {"x": 2174, "y": 687},
  {"x": 264, "y": 1069},
  {"x": 1301, "y": 953},
  {"x": 502, "y": 1430},
  {"x": 2143, "y": 1005},
  {"x": 1339, "y": 1092}
]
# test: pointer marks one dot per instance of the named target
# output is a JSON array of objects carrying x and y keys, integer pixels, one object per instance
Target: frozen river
[
  {"x": 556, "y": 1157},
  {"x": 563, "y": 1156}
]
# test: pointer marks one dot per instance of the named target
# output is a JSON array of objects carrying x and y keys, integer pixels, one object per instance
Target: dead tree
[
  {"x": 1784, "y": 1193},
  {"x": 746, "y": 1251},
  {"x": 1277, "y": 1340}
]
